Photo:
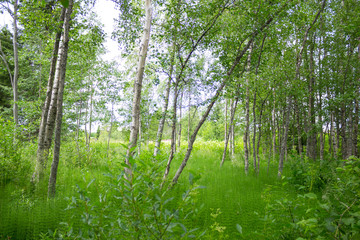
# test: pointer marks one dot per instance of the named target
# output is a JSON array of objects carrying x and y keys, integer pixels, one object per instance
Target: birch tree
[{"x": 138, "y": 85}]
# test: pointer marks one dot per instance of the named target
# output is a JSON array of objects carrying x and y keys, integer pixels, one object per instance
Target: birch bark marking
[
  {"x": 62, "y": 73},
  {"x": 138, "y": 85}
]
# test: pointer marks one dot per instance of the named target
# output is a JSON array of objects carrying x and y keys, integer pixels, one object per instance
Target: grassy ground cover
[{"x": 223, "y": 203}]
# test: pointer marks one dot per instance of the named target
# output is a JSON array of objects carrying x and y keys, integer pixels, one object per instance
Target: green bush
[
  {"x": 130, "y": 209},
  {"x": 326, "y": 212},
  {"x": 11, "y": 164}
]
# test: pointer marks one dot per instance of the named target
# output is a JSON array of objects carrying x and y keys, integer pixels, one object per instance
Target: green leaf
[
  {"x": 348, "y": 221},
  {"x": 191, "y": 177},
  {"x": 65, "y": 3},
  {"x": 92, "y": 180},
  {"x": 239, "y": 228},
  {"x": 311, "y": 195}
]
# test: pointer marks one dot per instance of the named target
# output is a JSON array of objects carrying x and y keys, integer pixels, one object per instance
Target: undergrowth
[{"x": 313, "y": 200}]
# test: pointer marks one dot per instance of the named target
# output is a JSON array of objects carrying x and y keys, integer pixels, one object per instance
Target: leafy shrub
[
  {"x": 130, "y": 209},
  {"x": 11, "y": 164},
  {"x": 331, "y": 213}
]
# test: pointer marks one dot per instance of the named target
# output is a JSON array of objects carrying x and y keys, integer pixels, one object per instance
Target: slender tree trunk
[
  {"x": 258, "y": 139},
  {"x": 166, "y": 103},
  {"x": 231, "y": 130},
  {"x": 331, "y": 152},
  {"x": 91, "y": 111},
  {"x": 110, "y": 130},
  {"x": 78, "y": 129},
  {"x": 321, "y": 138},
  {"x": 254, "y": 133},
  {"x": 247, "y": 122},
  {"x": 50, "y": 122},
  {"x": 140, "y": 136},
  {"x": 273, "y": 128},
  {"x": 233, "y": 110},
  {"x": 337, "y": 142},
  {"x": 137, "y": 87},
  {"x": 86, "y": 122},
  {"x": 189, "y": 119},
  {"x": 311, "y": 134},
  {"x": 42, "y": 151},
  {"x": 173, "y": 131},
  {"x": 343, "y": 111},
  {"x": 233, "y": 139},
  {"x": 63, "y": 61},
  {"x": 226, "y": 118},
  {"x": 259, "y": 135},
  {"x": 356, "y": 119},
  {"x": 16, "y": 64},
  {"x": 284, "y": 139},
  {"x": 179, "y": 139}
]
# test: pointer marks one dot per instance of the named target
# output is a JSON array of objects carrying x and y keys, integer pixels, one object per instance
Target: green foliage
[
  {"x": 12, "y": 165},
  {"x": 127, "y": 207},
  {"x": 332, "y": 212}
]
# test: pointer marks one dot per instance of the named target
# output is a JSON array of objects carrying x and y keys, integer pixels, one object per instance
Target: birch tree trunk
[
  {"x": 273, "y": 128},
  {"x": 16, "y": 64},
  {"x": 166, "y": 103},
  {"x": 91, "y": 112},
  {"x": 63, "y": 61},
  {"x": 111, "y": 124},
  {"x": 179, "y": 135},
  {"x": 226, "y": 118},
  {"x": 356, "y": 119},
  {"x": 138, "y": 85},
  {"x": 189, "y": 118},
  {"x": 140, "y": 137},
  {"x": 284, "y": 139},
  {"x": 311, "y": 134},
  {"x": 43, "y": 150},
  {"x": 254, "y": 133},
  {"x": 247, "y": 122},
  {"x": 232, "y": 114},
  {"x": 173, "y": 131}
]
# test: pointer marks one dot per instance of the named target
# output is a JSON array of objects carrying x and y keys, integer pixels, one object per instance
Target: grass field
[{"x": 227, "y": 196}]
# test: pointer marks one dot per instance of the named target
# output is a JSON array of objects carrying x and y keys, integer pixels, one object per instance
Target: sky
[{"x": 106, "y": 11}]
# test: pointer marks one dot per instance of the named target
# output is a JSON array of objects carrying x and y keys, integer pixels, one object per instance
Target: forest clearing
[{"x": 177, "y": 119}]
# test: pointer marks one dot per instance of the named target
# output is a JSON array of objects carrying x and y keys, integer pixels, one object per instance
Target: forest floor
[{"x": 227, "y": 204}]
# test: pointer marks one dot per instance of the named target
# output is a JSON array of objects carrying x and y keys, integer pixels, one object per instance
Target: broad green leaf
[{"x": 239, "y": 228}]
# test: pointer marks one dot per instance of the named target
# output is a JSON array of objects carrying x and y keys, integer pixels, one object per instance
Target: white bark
[
  {"x": 138, "y": 85},
  {"x": 59, "y": 102}
]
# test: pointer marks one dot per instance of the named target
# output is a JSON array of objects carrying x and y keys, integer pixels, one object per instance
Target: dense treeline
[{"x": 270, "y": 81}]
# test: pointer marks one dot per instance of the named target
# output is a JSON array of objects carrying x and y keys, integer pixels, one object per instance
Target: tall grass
[{"x": 229, "y": 197}]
